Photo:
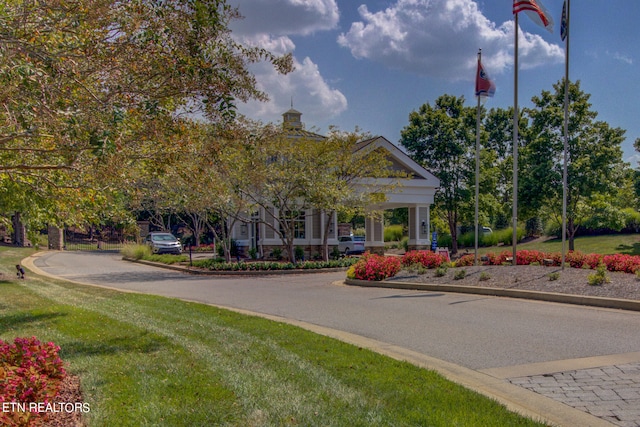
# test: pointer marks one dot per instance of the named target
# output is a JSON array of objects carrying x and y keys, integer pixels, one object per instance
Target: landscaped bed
[{"x": 617, "y": 277}]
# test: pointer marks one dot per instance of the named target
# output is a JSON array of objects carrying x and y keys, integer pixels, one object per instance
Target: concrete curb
[{"x": 615, "y": 303}]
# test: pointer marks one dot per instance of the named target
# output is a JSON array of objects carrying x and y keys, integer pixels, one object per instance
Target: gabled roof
[{"x": 399, "y": 159}]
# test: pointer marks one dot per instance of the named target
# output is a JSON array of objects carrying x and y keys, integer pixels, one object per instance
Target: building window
[{"x": 298, "y": 221}]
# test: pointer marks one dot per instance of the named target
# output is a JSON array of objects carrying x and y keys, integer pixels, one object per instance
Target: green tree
[
  {"x": 442, "y": 138},
  {"x": 594, "y": 157},
  {"x": 94, "y": 89}
]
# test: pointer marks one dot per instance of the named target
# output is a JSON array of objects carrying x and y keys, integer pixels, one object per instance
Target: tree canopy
[{"x": 92, "y": 89}]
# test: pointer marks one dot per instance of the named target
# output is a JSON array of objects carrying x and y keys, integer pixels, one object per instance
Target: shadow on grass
[
  {"x": 139, "y": 344},
  {"x": 629, "y": 249},
  {"x": 16, "y": 321}
]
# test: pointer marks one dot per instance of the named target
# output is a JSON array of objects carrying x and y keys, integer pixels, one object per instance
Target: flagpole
[
  {"x": 566, "y": 136},
  {"x": 475, "y": 258},
  {"x": 515, "y": 142}
]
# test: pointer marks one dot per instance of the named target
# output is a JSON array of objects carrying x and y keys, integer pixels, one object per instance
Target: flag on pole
[
  {"x": 564, "y": 24},
  {"x": 536, "y": 11},
  {"x": 484, "y": 85}
]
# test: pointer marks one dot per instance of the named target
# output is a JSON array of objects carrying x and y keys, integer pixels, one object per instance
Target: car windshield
[{"x": 163, "y": 238}]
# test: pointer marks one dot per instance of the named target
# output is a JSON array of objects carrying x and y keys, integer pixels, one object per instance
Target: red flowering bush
[
  {"x": 620, "y": 262},
  {"x": 465, "y": 261},
  {"x": 498, "y": 259},
  {"x": 528, "y": 257},
  {"x": 575, "y": 259},
  {"x": 30, "y": 371},
  {"x": 427, "y": 259},
  {"x": 592, "y": 261},
  {"x": 376, "y": 267}
]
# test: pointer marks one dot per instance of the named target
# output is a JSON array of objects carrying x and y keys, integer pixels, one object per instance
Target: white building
[{"x": 415, "y": 192}]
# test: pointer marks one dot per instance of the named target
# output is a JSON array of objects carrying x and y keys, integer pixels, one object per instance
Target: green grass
[
  {"x": 146, "y": 360},
  {"x": 608, "y": 244}
]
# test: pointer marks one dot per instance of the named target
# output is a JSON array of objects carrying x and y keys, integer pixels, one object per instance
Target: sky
[{"x": 369, "y": 64}]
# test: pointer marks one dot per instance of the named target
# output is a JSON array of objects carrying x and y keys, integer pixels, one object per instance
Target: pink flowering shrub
[
  {"x": 621, "y": 262},
  {"x": 376, "y": 267},
  {"x": 498, "y": 259},
  {"x": 528, "y": 257},
  {"x": 30, "y": 371},
  {"x": 592, "y": 261},
  {"x": 427, "y": 259},
  {"x": 465, "y": 261}
]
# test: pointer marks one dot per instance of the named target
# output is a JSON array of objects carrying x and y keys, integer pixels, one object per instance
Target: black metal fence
[{"x": 102, "y": 240}]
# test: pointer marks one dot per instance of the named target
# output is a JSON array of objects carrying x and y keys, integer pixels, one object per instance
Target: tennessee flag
[
  {"x": 484, "y": 85},
  {"x": 536, "y": 11}
]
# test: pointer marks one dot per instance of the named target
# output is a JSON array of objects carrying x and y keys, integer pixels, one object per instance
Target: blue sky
[{"x": 368, "y": 64}]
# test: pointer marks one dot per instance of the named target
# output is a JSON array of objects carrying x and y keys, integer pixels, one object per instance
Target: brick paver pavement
[{"x": 610, "y": 392}]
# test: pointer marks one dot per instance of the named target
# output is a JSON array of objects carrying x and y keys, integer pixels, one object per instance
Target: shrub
[
  {"x": 498, "y": 259},
  {"x": 135, "y": 251},
  {"x": 465, "y": 261},
  {"x": 427, "y": 259},
  {"x": 376, "y": 267},
  {"x": 166, "y": 258},
  {"x": 441, "y": 271},
  {"x": 484, "y": 276},
  {"x": 575, "y": 259},
  {"x": 599, "y": 277},
  {"x": 592, "y": 261},
  {"x": 460, "y": 274},
  {"x": 621, "y": 262},
  {"x": 554, "y": 276},
  {"x": 393, "y": 233},
  {"x": 31, "y": 372},
  {"x": 527, "y": 257}
]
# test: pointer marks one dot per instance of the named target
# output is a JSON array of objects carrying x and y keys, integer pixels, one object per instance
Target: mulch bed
[{"x": 536, "y": 278}]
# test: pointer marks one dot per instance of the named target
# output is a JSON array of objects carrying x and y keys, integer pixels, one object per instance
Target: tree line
[{"x": 602, "y": 190}]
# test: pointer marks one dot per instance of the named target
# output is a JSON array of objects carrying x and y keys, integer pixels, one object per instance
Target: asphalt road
[{"x": 476, "y": 332}]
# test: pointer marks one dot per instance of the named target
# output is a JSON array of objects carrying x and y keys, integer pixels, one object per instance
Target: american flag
[{"x": 536, "y": 11}]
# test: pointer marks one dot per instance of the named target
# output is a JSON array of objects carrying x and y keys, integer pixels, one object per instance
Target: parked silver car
[
  {"x": 163, "y": 243},
  {"x": 351, "y": 244}
]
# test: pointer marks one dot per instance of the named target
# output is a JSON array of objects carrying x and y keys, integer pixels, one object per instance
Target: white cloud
[
  {"x": 439, "y": 38},
  {"x": 285, "y": 17},
  {"x": 307, "y": 88},
  {"x": 621, "y": 57},
  {"x": 268, "y": 24}
]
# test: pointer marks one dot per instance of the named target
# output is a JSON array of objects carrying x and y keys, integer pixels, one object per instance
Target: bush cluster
[
  {"x": 30, "y": 371},
  {"x": 215, "y": 265},
  {"x": 576, "y": 259},
  {"x": 375, "y": 267},
  {"x": 427, "y": 259}
]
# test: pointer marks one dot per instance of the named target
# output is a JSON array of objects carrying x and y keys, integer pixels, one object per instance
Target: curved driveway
[{"x": 502, "y": 337}]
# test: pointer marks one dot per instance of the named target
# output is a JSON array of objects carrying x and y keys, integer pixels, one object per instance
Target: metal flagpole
[
  {"x": 475, "y": 258},
  {"x": 515, "y": 143},
  {"x": 566, "y": 133}
]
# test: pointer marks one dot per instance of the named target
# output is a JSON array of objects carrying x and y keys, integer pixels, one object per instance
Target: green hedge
[{"x": 214, "y": 265}]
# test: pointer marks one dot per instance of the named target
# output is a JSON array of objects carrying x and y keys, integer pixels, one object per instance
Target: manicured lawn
[{"x": 146, "y": 360}]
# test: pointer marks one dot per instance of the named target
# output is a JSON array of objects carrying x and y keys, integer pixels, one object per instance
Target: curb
[{"x": 616, "y": 303}]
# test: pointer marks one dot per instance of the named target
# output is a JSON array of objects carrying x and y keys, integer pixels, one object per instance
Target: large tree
[
  {"x": 594, "y": 157},
  {"x": 92, "y": 89},
  {"x": 442, "y": 138}
]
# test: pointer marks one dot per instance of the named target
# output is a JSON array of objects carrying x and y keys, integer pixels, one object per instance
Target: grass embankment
[{"x": 146, "y": 360}]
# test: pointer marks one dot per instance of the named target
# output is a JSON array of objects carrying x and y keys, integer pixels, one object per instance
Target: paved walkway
[
  {"x": 610, "y": 392},
  {"x": 584, "y": 391}
]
